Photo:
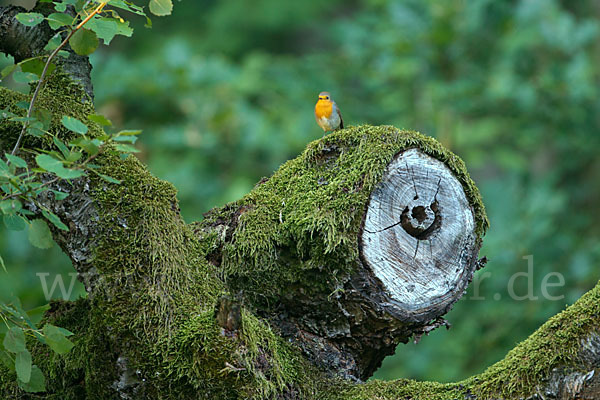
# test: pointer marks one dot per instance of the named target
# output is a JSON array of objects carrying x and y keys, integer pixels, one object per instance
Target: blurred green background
[{"x": 224, "y": 92}]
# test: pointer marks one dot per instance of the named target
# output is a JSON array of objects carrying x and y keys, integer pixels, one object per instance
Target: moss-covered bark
[
  {"x": 152, "y": 324},
  {"x": 290, "y": 248}
]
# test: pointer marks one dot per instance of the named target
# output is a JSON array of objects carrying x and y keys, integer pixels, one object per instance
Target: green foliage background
[{"x": 224, "y": 92}]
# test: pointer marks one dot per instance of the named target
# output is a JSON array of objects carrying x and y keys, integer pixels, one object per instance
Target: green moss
[
  {"x": 398, "y": 389},
  {"x": 554, "y": 344},
  {"x": 60, "y": 96},
  {"x": 154, "y": 303},
  {"x": 273, "y": 364},
  {"x": 307, "y": 216},
  {"x": 8, "y": 384},
  {"x": 83, "y": 371}
]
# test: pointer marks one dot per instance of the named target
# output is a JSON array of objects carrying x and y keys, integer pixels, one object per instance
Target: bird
[{"x": 328, "y": 114}]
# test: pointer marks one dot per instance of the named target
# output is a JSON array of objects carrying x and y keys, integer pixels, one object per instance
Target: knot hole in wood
[{"x": 421, "y": 220}]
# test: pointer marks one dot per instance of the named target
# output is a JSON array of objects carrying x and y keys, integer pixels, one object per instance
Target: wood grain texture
[{"x": 418, "y": 236}]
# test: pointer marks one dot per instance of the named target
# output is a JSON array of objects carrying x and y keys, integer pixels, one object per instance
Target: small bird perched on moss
[{"x": 327, "y": 113}]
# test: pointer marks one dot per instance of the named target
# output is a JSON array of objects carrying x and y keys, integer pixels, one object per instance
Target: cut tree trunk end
[
  {"x": 419, "y": 237},
  {"x": 364, "y": 241}
]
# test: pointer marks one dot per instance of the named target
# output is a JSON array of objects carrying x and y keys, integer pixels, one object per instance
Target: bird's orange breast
[{"x": 323, "y": 108}]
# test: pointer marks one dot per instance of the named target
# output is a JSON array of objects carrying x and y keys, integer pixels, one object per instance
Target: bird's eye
[{"x": 326, "y": 97}]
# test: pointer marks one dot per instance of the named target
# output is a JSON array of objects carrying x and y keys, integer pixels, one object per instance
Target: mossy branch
[
  {"x": 40, "y": 83},
  {"x": 201, "y": 310}
]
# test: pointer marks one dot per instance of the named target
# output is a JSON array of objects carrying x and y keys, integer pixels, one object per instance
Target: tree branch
[
  {"x": 272, "y": 296},
  {"x": 23, "y": 42}
]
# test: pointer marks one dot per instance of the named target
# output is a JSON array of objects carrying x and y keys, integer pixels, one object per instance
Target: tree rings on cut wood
[{"x": 418, "y": 237}]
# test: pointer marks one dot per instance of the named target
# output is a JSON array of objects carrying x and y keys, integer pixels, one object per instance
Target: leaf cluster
[
  {"x": 23, "y": 179},
  {"x": 14, "y": 353},
  {"x": 28, "y": 173}
]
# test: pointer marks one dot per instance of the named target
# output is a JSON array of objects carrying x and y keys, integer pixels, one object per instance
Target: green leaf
[
  {"x": 11, "y": 206},
  {"x": 128, "y": 139},
  {"x": 5, "y": 169},
  {"x": 4, "y": 268},
  {"x": 44, "y": 116},
  {"x": 7, "y": 70},
  {"x": 55, "y": 220},
  {"x": 84, "y": 42},
  {"x": 37, "y": 313},
  {"x": 36, "y": 66},
  {"x": 61, "y": 146},
  {"x": 60, "y": 7},
  {"x": 37, "y": 382},
  {"x": 129, "y": 132},
  {"x": 23, "y": 366},
  {"x": 29, "y": 19},
  {"x": 39, "y": 234},
  {"x": 100, "y": 119},
  {"x": 11, "y": 309},
  {"x": 56, "y": 339},
  {"x": 105, "y": 28},
  {"x": 6, "y": 114},
  {"x": 60, "y": 195},
  {"x": 53, "y": 43},
  {"x": 108, "y": 178},
  {"x": 74, "y": 156},
  {"x": 14, "y": 222},
  {"x": 14, "y": 341},
  {"x": 56, "y": 20},
  {"x": 16, "y": 160},
  {"x": 24, "y": 119},
  {"x": 23, "y": 105},
  {"x": 48, "y": 163},
  {"x": 124, "y": 29},
  {"x": 125, "y": 148},
  {"x": 51, "y": 164},
  {"x": 73, "y": 124},
  {"x": 36, "y": 129},
  {"x": 33, "y": 65},
  {"x": 127, "y": 6},
  {"x": 91, "y": 146},
  {"x": 64, "y": 331},
  {"x": 161, "y": 7},
  {"x": 24, "y": 77}
]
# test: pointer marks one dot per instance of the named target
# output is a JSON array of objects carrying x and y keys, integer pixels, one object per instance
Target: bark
[
  {"x": 349, "y": 310},
  {"x": 297, "y": 290},
  {"x": 23, "y": 42}
]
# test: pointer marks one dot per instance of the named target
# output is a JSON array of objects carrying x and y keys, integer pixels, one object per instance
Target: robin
[{"x": 327, "y": 113}]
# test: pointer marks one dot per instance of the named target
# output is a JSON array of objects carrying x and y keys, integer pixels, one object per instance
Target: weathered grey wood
[{"x": 419, "y": 236}]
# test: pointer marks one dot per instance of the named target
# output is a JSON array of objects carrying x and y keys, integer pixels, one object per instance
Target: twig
[{"x": 45, "y": 70}]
